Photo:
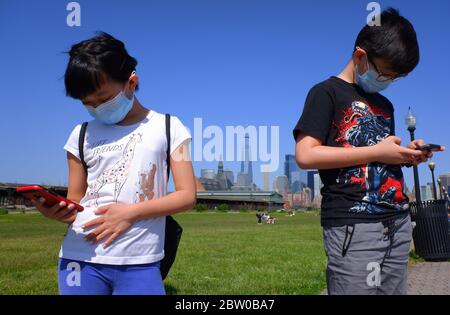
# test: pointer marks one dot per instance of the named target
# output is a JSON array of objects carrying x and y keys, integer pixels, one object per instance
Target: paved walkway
[{"x": 427, "y": 278}]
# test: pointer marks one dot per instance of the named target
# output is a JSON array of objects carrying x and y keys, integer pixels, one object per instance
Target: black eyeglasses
[{"x": 382, "y": 77}]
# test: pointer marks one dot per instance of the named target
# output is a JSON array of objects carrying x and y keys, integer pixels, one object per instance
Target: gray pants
[{"x": 368, "y": 258}]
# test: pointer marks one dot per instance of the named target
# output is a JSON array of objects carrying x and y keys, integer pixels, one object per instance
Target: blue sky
[{"x": 231, "y": 62}]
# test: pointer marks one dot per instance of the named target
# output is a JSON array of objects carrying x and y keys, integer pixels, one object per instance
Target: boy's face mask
[
  {"x": 113, "y": 111},
  {"x": 369, "y": 81}
]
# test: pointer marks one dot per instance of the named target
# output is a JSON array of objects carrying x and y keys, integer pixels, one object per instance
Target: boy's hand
[
  {"x": 389, "y": 151},
  {"x": 425, "y": 154},
  {"x": 60, "y": 211},
  {"x": 115, "y": 220}
]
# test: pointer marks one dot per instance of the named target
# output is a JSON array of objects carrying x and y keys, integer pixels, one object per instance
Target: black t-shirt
[{"x": 341, "y": 114}]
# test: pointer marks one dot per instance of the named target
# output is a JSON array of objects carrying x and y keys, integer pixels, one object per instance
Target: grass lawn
[{"x": 220, "y": 253}]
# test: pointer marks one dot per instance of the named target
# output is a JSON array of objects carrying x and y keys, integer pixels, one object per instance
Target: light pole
[
  {"x": 410, "y": 121},
  {"x": 431, "y": 165}
]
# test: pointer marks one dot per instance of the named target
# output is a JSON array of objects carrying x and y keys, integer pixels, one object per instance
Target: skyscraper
[
  {"x": 317, "y": 185},
  {"x": 245, "y": 178},
  {"x": 281, "y": 184},
  {"x": 310, "y": 181},
  {"x": 266, "y": 179},
  {"x": 426, "y": 192},
  {"x": 445, "y": 181},
  {"x": 297, "y": 177},
  {"x": 229, "y": 175},
  {"x": 208, "y": 173}
]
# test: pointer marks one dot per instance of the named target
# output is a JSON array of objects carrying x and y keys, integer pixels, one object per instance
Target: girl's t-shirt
[{"x": 126, "y": 164}]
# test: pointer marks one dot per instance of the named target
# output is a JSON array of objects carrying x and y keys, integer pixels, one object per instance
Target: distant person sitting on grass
[
  {"x": 115, "y": 245},
  {"x": 346, "y": 131},
  {"x": 259, "y": 215}
]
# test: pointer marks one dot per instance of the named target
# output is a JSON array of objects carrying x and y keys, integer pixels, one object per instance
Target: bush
[
  {"x": 201, "y": 207},
  {"x": 243, "y": 210},
  {"x": 223, "y": 207},
  {"x": 3, "y": 211}
]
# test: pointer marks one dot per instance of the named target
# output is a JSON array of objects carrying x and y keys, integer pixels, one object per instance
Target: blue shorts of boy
[
  {"x": 368, "y": 258},
  {"x": 83, "y": 278}
]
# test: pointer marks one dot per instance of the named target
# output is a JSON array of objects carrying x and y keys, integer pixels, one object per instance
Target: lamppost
[
  {"x": 411, "y": 124},
  {"x": 431, "y": 165}
]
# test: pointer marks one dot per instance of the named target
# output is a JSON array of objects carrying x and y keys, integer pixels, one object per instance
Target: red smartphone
[
  {"x": 429, "y": 147},
  {"x": 51, "y": 198}
]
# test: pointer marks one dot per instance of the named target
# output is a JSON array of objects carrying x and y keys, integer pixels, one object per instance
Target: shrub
[
  {"x": 223, "y": 207},
  {"x": 201, "y": 207},
  {"x": 3, "y": 211}
]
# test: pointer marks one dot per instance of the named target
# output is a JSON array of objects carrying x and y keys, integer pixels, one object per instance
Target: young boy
[
  {"x": 116, "y": 244},
  {"x": 347, "y": 132}
]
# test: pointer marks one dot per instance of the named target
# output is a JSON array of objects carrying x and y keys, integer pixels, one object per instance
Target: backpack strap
[
  {"x": 168, "y": 145},
  {"x": 81, "y": 145}
]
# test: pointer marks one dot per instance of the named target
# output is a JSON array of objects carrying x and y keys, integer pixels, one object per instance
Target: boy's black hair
[
  {"x": 94, "y": 61},
  {"x": 394, "y": 42}
]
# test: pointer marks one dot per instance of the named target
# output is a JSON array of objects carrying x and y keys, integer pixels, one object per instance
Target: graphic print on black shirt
[
  {"x": 341, "y": 114},
  {"x": 362, "y": 125}
]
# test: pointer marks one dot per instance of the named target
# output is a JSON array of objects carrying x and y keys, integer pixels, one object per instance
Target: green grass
[{"x": 220, "y": 253}]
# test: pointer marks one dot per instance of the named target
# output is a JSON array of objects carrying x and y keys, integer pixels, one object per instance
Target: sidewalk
[{"x": 427, "y": 278}]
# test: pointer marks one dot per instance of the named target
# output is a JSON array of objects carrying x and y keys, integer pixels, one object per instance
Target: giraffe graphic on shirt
[
  {"x": 146, "y": 185},
  {"x": 116, "y": 174}
]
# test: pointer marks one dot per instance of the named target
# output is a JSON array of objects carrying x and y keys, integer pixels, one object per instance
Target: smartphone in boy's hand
[{"x": 430, "y": 147}]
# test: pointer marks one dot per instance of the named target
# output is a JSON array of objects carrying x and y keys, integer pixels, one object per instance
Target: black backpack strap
[
  {"x": 168, "y": 144},
  {"x": 81, "y": 145}
]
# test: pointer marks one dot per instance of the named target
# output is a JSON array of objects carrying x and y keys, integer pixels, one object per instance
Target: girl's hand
[
  {"x": 61, "y": 211},
  {"x": 116, "y": 219}
]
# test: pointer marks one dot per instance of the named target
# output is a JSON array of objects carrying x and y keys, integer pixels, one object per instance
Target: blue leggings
[{"x": 78, "y": 277}]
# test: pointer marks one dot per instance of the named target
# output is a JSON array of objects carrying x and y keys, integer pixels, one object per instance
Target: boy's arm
[{"x": 311, "y": 154}]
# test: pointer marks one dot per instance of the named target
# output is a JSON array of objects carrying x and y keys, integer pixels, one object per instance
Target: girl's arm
[
  {"x": 182, "y": 199},
  {"x": 77, "y": 179},
  {"x": 76, "y": 190},
  {"x": 116, "y": 218}
]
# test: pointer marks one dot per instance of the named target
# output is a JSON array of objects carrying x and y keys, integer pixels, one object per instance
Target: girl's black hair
[
  {"x": 94, "y": 61},
  {"x": 394, "y": 42}
]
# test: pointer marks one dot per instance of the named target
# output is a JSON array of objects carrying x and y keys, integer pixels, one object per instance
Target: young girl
[{"x": 115, "y": 245}]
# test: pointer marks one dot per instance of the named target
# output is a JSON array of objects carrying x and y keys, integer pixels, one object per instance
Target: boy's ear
[
  {"x": 133, "y": 80},
  {"x": 357, "y": 55}
]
